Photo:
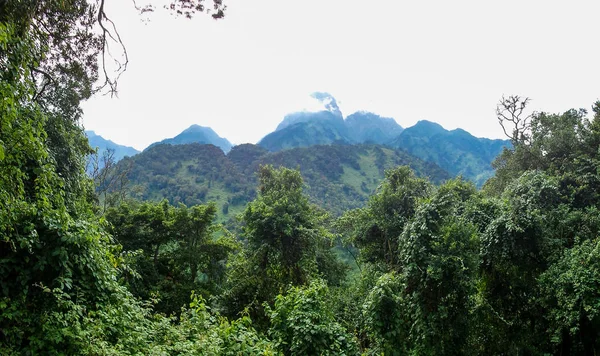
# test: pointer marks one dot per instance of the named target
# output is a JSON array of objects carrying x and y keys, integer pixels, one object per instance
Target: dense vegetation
[
  {"x": 513, "y": 268},
  {"x": 338, "y": 177}
]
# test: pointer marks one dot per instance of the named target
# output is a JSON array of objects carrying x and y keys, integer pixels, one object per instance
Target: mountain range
[
  {"x": 456, "y": 151},
  {"x": 327, "y": 126},
  {"x": 342, "y": 159}
]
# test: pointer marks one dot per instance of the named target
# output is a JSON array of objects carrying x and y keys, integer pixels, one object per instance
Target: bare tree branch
[
  {"x": 515, "y": 124},
  {"x": 111, "y": 179},
  {"x": 110, "y": 33}
]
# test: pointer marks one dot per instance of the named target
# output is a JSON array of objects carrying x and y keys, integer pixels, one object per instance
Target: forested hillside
[
  {"x": 429, "y": 268},
  {"x": 456, "y": 151},
  {"x": 338, "y": 177}
]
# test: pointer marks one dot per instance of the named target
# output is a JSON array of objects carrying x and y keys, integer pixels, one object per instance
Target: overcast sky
[{"x": 443, "y": 61}]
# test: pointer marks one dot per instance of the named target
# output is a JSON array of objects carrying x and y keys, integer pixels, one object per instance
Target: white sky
[{"x": 444, "y": 61}]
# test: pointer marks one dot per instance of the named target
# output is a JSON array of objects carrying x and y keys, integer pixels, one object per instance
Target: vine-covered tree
[
  {"x": 172, "y": 251},
  {"x": 375, "y": 229},
  {"x": 287, "y": 244}
]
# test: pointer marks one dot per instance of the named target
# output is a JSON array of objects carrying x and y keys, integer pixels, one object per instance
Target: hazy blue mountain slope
[
  {"x": 456, "y": 151},
  {"x": 327, "y": 110},
  {"x": 198, "y": 134},
  {"x": 324, "y": 124},
  {"x": 320, "y": 128},
  {"x": 103, "y": 146},
  {"x": 304, "y": 129},
  {"x": 366, "y": 127}
]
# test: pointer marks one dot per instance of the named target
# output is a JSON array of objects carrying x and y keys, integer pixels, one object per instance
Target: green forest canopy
[{"x": 513, "y": 268}]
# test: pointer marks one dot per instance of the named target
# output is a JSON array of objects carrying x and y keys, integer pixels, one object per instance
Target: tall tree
[
  {"x": 287, "y": 244},
  {"x": 559, "y": 144},
  {"x": 375, "y": 229},
  {"x": 438, "y": 250},
  {"x": 58, "y": 268},
  {"x": 173, "y": 251}
]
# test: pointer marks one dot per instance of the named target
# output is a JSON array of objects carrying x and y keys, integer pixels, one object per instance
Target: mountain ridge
[
  {"x": 103, "y": 146},
  {"x": 197, "y": 134},
  {"x": 321, "y": 122},
  {"x": 457, "y": 151},
  {"x": 304, "y": 129},
  {"x": 338, "y": 177}
]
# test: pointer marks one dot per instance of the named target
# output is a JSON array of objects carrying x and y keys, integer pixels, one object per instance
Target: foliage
[
  {"x": 563, "y": 145},
  {"x": 571, "y": 295},
  {"x": 58, "y": 266},
  {"x": 171, "y": 251},
  {"x": 198, "y": 331},
  {"x": 439, "y": 262},
  {"x": 386, "y": 320},
  {"x": 511, "y": 269},
  {"x": 375, "y": 229},
  {"x": 287, "y": 244},
  {"x": 338, "y": 177},
  {"x": 110, "y": 180},
  {"x": 302, "y": 324}
]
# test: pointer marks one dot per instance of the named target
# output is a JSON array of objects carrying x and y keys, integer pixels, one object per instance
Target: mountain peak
[
  {"x": 427, "y": 128},
  {"x": 103, "y": 145},
  {"x": 198, "y": 134},
  {"x": 328, "y": 101},
  {"x": 366, "y": 126},
  {"x": 197, "y": 128},
  {"x": 321, "y": 106},
  {"x": 456, "y": 151},
  {"x": 427, "y": 123}
]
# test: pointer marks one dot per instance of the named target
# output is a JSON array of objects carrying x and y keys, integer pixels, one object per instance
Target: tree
[
  {"x": 287, "y": 244},
  {"x": 76, "y": 34},
  {"x": 375, "y": 229},
  {"x": 198, "y": 248},
  {"x": 109, "y": 178},
  {"x": 173, "y": 249},
  {"x": 189, "y": 8},
  {"x": 513, "y": 119},
  {"x": 570, "y": 290},
  {"x": 58, "y": 268},
  {"x": 560, "y": 144},
  {"x": 438, "y": 254},
  {"x": 302, "y": 323},
  {"x": 387, "y": 323},
  {"x": 516, "y": 248}
]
